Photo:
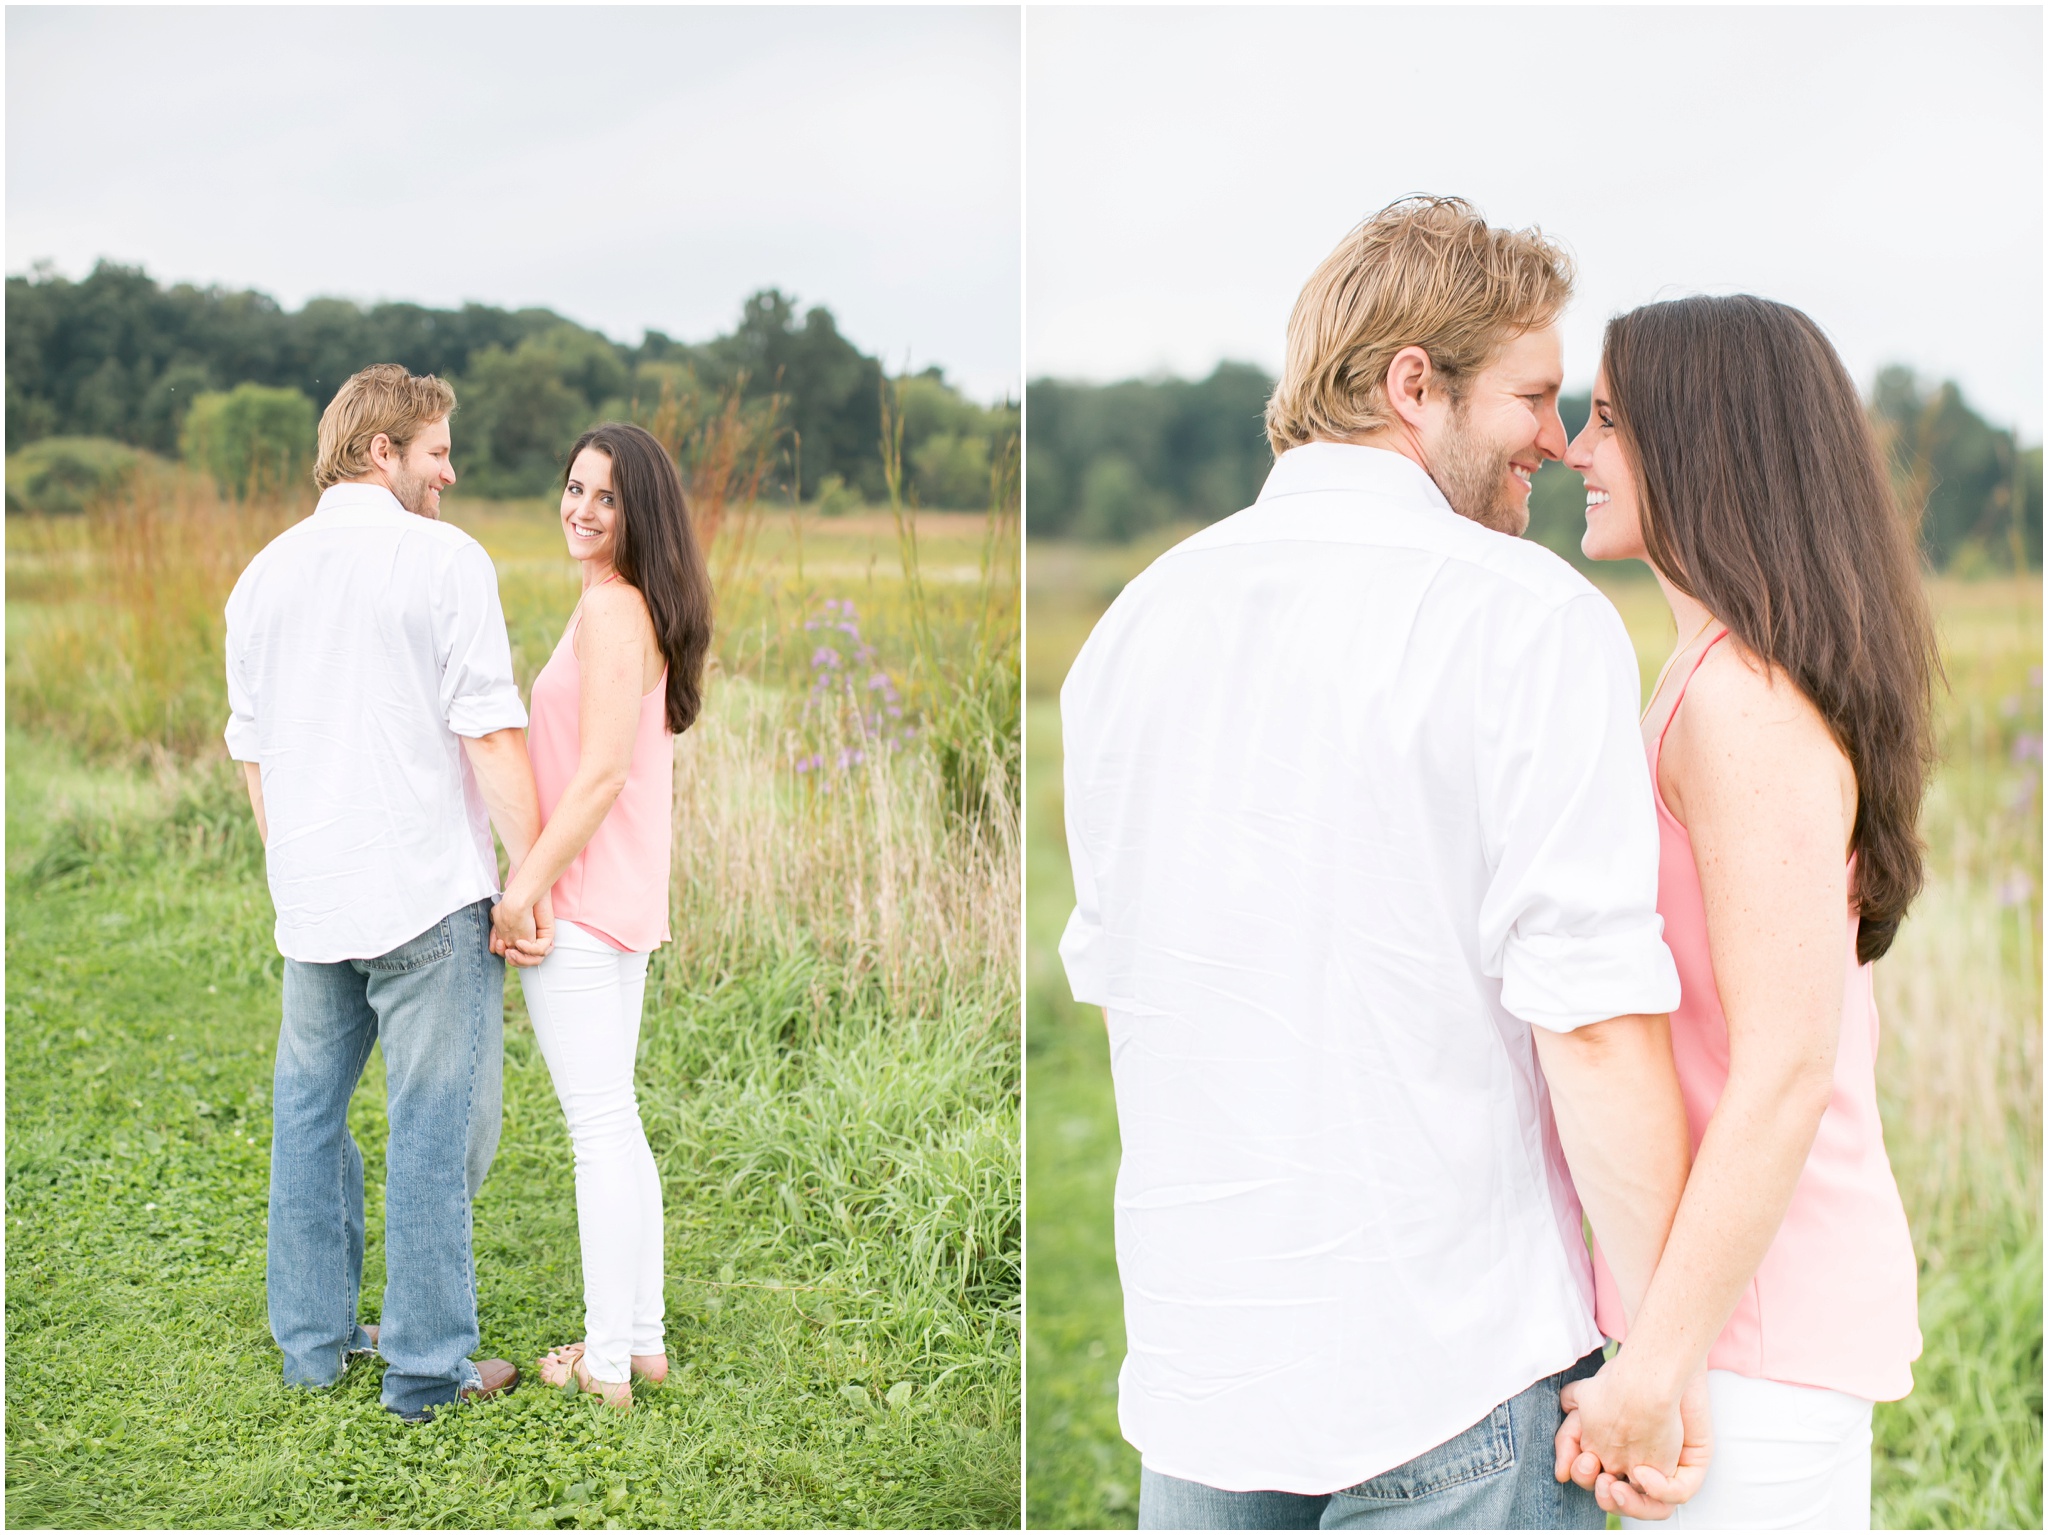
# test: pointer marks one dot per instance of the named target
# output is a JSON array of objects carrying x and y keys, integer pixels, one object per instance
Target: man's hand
[{"x": 1625, "y": 1477}]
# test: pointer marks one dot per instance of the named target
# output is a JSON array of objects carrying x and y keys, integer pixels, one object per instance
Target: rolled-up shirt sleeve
[
  {"x": 1569, "y": 920},
  {"x": 478, "y": 694}
]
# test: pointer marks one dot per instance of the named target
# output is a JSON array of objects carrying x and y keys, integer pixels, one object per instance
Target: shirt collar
[
  {"x": 356, "y": 497},
  {"x": 1326, "y": 466}
]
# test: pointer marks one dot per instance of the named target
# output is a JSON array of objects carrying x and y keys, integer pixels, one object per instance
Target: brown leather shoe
[{"x": 496, "y": 1377}]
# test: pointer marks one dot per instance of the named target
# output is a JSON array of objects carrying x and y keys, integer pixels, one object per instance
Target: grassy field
[
  {"x": 829, "y": 1069},
  {"x": 1959, "y": 1080}
]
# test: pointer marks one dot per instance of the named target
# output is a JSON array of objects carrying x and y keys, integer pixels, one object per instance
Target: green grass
[
  {"x": 1082, "y": 1474},
  {"x": 1959, "y": 1083},
  {"x": 838, "y": 1140},
  {"x": 835, "y": 1184}
]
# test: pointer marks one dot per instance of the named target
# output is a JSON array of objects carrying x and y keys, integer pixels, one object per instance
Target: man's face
[
  {"x": 1487, "y": 448},
  {"x": 418, "y": 476}
]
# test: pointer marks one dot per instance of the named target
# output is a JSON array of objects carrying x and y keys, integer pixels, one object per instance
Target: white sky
[
  {"x": 1881, "y": 168},
  {"x": 628, "y": 167}
]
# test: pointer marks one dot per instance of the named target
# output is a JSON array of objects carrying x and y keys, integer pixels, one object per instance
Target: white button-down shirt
[
  {"x": 1354, "y": 797},
  {"x": 362, "y": 642}
]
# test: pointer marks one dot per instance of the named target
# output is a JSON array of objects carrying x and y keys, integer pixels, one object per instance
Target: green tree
[
  {"x": 517, "y": 419},
  {"x": 833, "y": 391},
  {"x": 1116, "y": 504},
  {"x": 116, "y": 356},
  {"x": 251, "y": 439},
  {"x": 949, "y": 470},
  {"x": 1199, "y": 446},
  {"x": 1975, "y": 496}
]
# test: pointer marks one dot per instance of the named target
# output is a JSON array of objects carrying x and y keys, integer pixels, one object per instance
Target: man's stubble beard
[
  {"x": 412, "y": 492},
  {"x": 1473, "y": 475}
]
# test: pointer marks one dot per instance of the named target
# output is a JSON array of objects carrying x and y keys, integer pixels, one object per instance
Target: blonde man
[
  {"x": 374, "y": 712},
  {"x": 1361, "y": 831}
]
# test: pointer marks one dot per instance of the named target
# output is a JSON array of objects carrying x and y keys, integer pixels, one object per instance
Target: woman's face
[
  {"x": 1614, "y": 527},
  {"x": 590, "y": 510}
]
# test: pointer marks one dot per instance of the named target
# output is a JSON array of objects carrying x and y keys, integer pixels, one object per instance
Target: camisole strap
[
  {"x": 1679, "y": 701},
  {"x": 576, "y": 618}
]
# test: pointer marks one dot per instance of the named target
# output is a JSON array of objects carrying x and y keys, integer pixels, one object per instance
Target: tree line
[
  {"x": 1108, "y": 462},
  {"x": 117, "y": 356}
]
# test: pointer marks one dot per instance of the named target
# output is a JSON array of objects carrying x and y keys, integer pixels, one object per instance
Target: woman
[
  {"x": 623, "y": 681},
  {"x": 1789, "y": 745}
]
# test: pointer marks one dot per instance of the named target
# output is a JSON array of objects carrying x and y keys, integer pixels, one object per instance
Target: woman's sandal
[{"x": 561, "y": 1366}]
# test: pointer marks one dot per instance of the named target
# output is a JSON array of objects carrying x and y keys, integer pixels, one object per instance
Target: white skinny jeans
[
  {"x": 584, "y": 999},
  {"x": 1785, "y": 1458}
]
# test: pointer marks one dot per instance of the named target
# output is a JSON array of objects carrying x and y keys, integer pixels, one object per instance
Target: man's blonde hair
[
  {"x": 1424, "y": 271},
  {"x": 384, "y": 398}
]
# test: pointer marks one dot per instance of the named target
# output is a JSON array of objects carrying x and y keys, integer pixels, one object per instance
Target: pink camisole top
[
  {"x": 1834, "y": 1302},
  {"x": 617, "y": 887}
]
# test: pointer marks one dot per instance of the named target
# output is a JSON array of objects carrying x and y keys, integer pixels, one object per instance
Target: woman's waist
[{"x": 614, "y": 894}]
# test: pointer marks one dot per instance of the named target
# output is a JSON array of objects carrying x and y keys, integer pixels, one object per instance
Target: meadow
[
  {"x": 829, "y": 1065},
  {"x": 1959, "y": 1080}
]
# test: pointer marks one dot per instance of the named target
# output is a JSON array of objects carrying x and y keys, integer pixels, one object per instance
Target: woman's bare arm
[
  {"x": 614, "y": 640},
  {"x": 1766, "y": 796}
]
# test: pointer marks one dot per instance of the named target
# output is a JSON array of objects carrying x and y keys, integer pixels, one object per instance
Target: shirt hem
[
  {"x": 355, "y": 951},
  {"x": 1319, "y": 1486}
]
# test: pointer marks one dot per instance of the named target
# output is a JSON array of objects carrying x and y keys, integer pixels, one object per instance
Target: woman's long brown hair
[
  {"x": 654, "y": 550},
  {"x": 1764, "y": 498}
]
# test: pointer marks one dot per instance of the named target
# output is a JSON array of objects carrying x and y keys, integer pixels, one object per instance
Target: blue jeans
[
  {"x": 437, "y": 1005},
  {"x": 1494, "y": 1476}
]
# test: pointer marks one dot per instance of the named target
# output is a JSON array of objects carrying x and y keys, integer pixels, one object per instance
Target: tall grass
[{"x": 114, "y": 631}]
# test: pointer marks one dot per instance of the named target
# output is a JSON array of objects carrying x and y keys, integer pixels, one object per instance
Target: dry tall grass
[
  {"x": 117, "y": 643},
  {"x": 864, "y": 858},
  {"x": 1960, "y": 993}
]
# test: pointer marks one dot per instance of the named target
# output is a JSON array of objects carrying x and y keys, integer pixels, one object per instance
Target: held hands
[
  {"x": 1637, "y": 1457},
  {"x": 523, "y": 935}
]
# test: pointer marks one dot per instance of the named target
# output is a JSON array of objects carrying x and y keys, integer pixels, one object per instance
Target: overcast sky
[
  {"x": 1186, "y": 169},
  {"x": 629, "y": 167}
]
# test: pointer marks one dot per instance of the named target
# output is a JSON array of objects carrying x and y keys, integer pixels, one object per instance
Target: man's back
[
  {"x": 361, "y": 643},
  {"x": 1353, "y": 797}
]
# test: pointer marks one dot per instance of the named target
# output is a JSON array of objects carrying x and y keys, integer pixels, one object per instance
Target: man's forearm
[
  {"x": 252, "y": 773},
  {"x": 505, "y": 777},
  {"x": 1621, "y": 1120}
]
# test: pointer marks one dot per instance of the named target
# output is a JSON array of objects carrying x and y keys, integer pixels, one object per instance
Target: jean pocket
[
  {"x": 437, "y": 942},
  {"x": 1485, "y": 1449}
]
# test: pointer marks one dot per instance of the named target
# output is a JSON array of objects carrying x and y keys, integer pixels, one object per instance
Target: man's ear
[
  {"x": 1411, "y": 380},
  {"x": 382, "y": 454}
]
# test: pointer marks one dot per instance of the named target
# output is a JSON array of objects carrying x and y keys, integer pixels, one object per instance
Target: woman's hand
[
  {"x": 1617, "y": 1448},
  {"x": 523, "y": 935}
]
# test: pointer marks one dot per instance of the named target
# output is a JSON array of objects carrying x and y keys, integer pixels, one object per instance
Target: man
[
  {"x": 375, "y": 715},
  {"x": 1363, "y": 851}
]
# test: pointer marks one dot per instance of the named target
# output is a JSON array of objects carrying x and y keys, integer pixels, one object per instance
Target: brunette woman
[
  {"x": 622, "y": 683},
  {"x": 1789, "y": 745}
]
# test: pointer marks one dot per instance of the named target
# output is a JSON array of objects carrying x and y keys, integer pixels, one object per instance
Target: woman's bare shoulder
[
  {"x": 613, "y": 614},
  {"x": 1744, "y": 717}
]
